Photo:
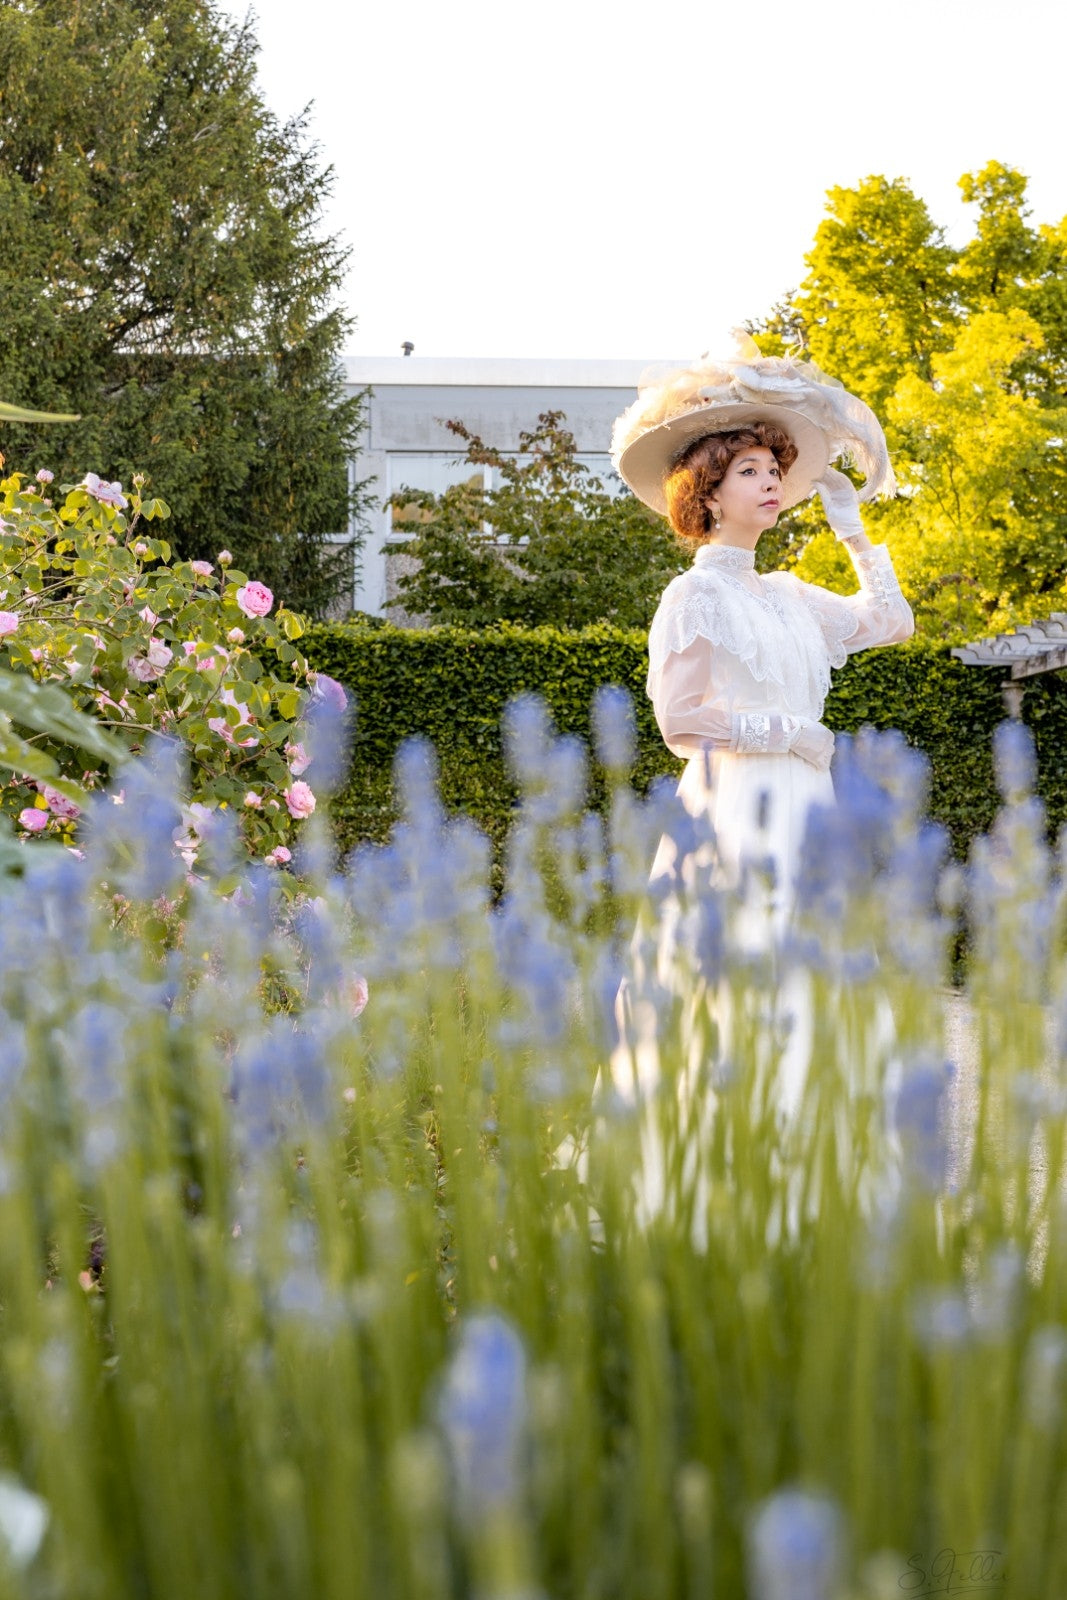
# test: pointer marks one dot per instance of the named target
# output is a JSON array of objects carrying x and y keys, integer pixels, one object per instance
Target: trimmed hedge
[{"x": 451, "y": 686}]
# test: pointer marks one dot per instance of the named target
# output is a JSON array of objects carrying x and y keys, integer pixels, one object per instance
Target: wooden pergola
[{"x": 1027, "y": 651}]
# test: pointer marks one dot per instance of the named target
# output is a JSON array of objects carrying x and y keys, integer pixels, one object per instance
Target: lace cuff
[
  {"x": 762, "y": 733},
  {"x": 874, "y": 568}
]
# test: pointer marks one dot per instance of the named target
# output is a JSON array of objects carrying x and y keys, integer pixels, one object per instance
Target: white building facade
[{"x": 406, "y": 443}]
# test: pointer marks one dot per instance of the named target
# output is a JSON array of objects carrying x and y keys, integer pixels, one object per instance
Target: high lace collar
[{"x": 730, "y": 556}]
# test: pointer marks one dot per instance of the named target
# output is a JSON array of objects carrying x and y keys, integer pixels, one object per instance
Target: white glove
[
  {"x": 814, "y": 743},
  {"x": 841, "y": 503},
  {"x": 772, "y": 733}
]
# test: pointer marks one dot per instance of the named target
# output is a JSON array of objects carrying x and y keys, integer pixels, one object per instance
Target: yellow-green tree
[
  {"x": 879, "y": 298},
  {"x": 963, "y": 353},
  {"x": 978, "y": 534}
]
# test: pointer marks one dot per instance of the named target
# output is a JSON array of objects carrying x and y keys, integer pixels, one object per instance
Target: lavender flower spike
[
  {"x": 795, "y": 1548},
  {"x": 482, "y": 1410}
]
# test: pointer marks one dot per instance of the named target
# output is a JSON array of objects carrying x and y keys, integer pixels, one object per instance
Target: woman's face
[{"x": 749, "y": 497}]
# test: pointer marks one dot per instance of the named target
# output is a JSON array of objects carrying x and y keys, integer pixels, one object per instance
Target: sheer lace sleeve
[
  {"x": 691, "y": 699},
  {"x": 877, "y": 614},
  {"x": 693, "y": 712}
]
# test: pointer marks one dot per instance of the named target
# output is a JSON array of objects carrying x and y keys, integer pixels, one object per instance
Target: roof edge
[{"x": 479, "y": 372}]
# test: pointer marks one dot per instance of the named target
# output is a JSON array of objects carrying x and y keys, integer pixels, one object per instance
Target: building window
[
  {"x": 431, "y": 473},
  {"x": 434, "y": 473},
  {"x": 600, "y": 467}
]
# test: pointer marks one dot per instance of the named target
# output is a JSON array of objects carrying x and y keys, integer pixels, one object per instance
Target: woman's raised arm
[{"x": 879, "y": 613}]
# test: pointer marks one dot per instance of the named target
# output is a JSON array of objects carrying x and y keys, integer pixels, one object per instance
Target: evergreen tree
[{"x": 163, "y": 273}]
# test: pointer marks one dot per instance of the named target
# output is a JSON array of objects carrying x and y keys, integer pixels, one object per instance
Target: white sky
[{"x": 578, "y": 178}]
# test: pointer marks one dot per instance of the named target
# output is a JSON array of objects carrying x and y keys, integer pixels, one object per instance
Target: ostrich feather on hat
[{"x": 715, "y": 395}]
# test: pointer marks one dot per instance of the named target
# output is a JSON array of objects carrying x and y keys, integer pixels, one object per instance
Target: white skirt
[{"x": 758, "y": 808}]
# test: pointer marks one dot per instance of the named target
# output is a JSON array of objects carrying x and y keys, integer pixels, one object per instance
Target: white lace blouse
[{"x": 739, "y": 661}]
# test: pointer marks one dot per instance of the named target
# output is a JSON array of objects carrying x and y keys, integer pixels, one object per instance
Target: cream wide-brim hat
[
  {"x": 645, "y": 464},
  {"x": 675, "y": 407}
]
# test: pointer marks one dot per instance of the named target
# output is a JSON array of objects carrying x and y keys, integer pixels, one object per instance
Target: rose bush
[{"x": 92, "y": 600}]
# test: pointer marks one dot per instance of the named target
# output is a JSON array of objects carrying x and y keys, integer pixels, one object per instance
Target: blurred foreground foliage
[{"x": 465, "y": 1294}]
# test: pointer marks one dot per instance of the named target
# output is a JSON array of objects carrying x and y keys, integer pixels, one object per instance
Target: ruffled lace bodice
[{"x": 728, "y": 641}]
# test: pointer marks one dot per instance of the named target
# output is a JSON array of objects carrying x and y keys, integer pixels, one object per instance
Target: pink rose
[
  {"x": 356, "y": 993},
  {"x": 108, "y": 494},
  {"x": 198, "y": 821},
  {"x": 222, "y": 727},
  {"x": 59, "y": 805},
  {"x": 235, "y": 636},
  {"x": 149, "y": 616},
  {"x": 298, "y": 759},
  {"x": 207, "y": 665},
  {"x": 140, "y": 548},
  {"x": 278, "y": 855},
  {"x": 254, "y": 599},
  {"x": 253, "y": 799},
  {"x": 9, "y": 621},
  {"x": 224, "y": 558},
  {"x": 228, "y": 698},
  {"x": 189, "y": 646},
  {"x": 299, "y": 799},
  {"x": 104, "y": 702},
  {"x": 33, "y": 819},
  {"x": 203, "y": 569},
  {"x": 44, "y": 476},
  {"x": 153, "y": 664}
]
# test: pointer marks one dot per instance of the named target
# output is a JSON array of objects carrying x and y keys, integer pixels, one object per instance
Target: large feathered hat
[{"x": 675, "y": 407}]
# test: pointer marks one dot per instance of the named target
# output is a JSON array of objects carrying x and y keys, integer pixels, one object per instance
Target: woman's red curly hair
[{"x": 697, "y": 474}]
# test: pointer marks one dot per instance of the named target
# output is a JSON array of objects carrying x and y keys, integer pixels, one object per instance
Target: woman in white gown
[
  {"x": 739, "y": 662},
  {"x": 739, "y": 670}
]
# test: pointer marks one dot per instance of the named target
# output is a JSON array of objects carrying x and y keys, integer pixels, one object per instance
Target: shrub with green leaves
[
  {"x": 451, "y": 685},
  {"x": 548, "y": 544},
  {"x": 95, "y": 611}
]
